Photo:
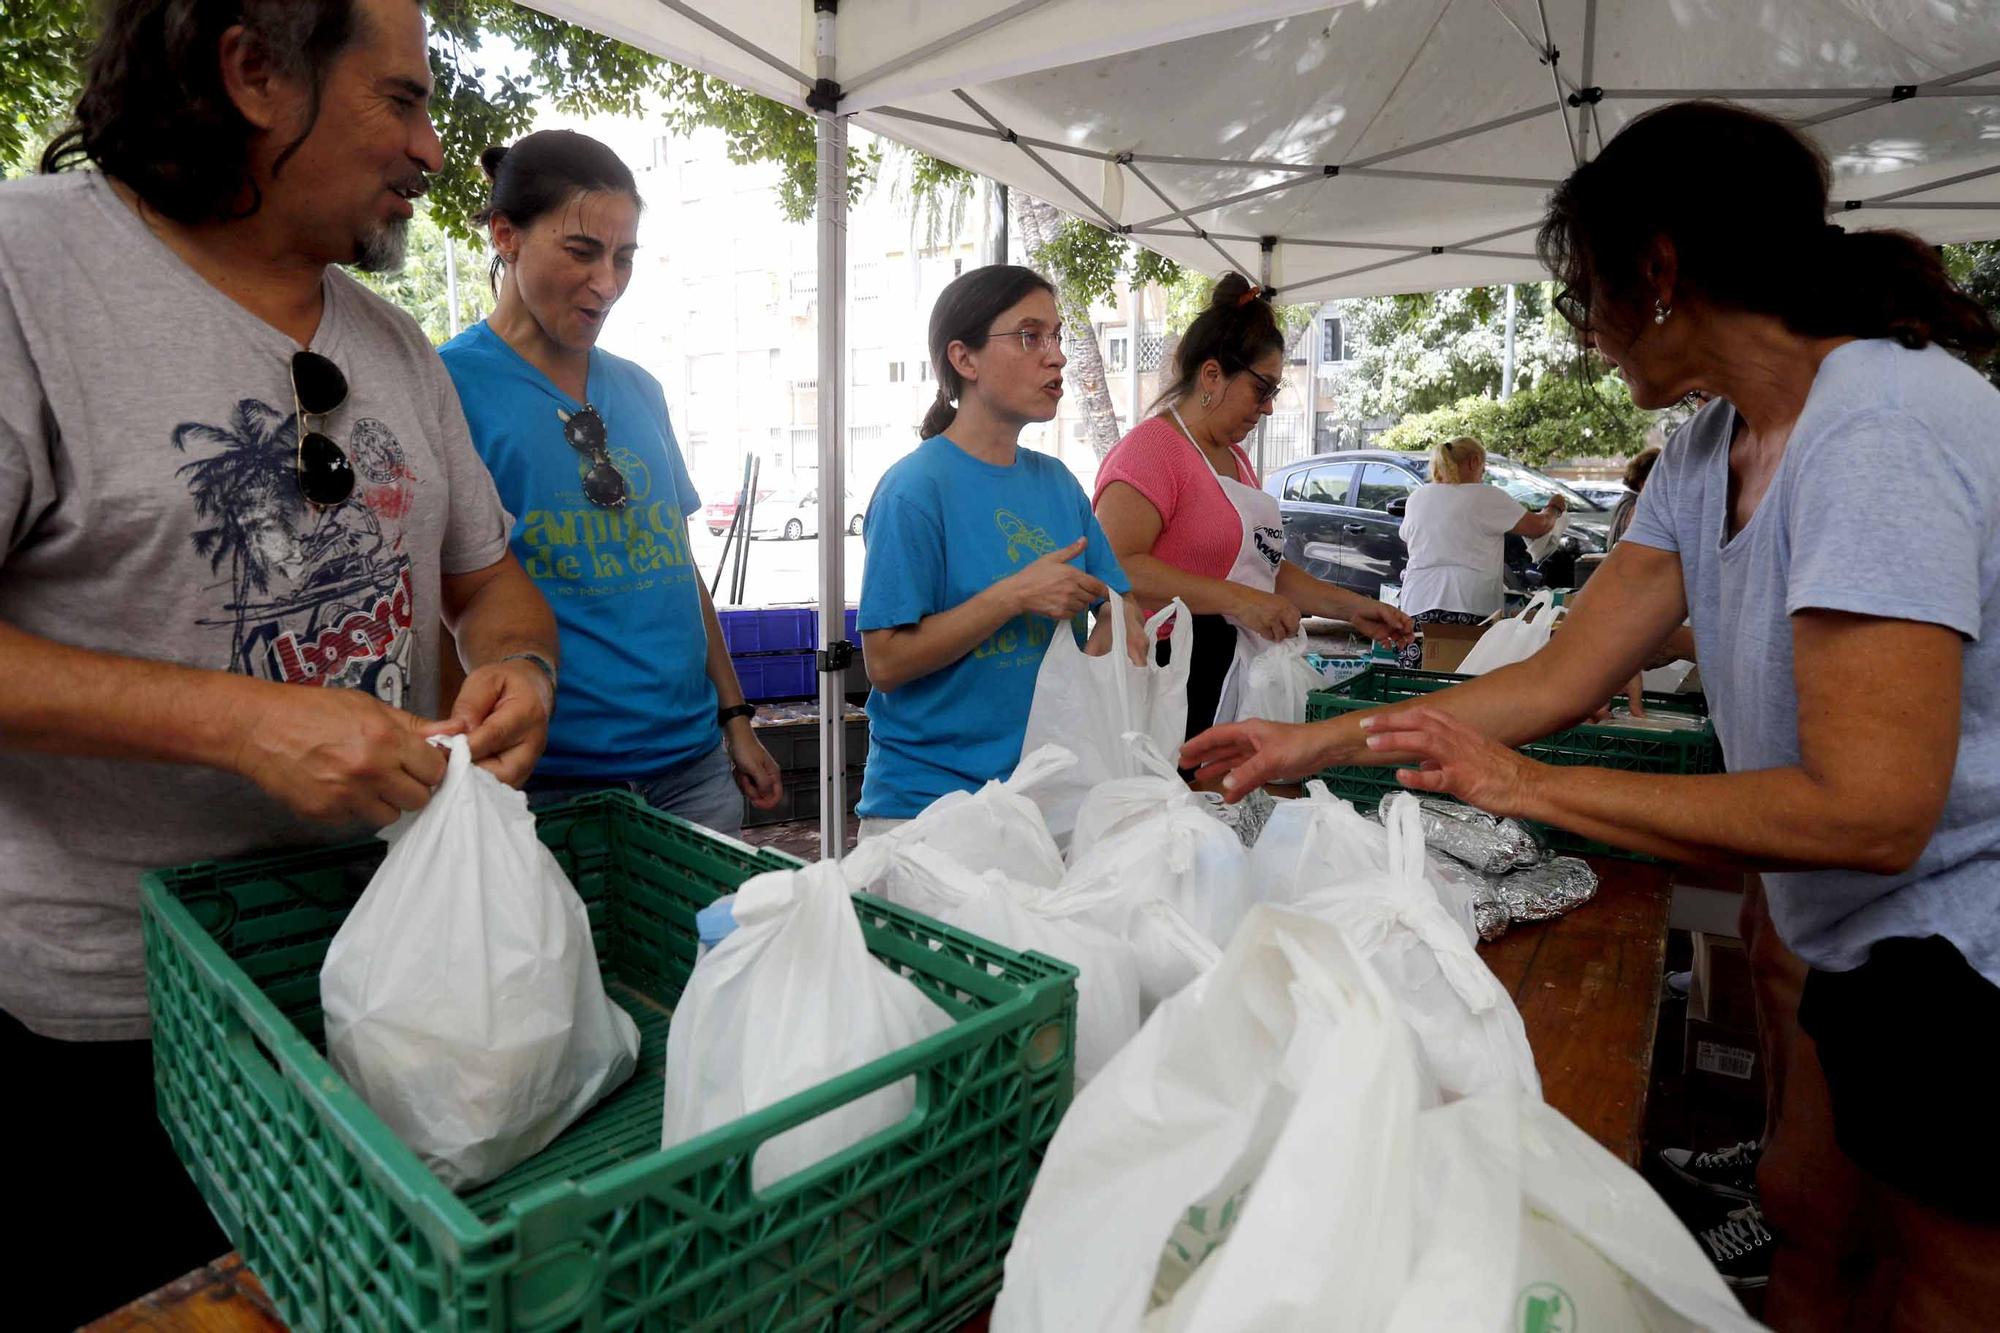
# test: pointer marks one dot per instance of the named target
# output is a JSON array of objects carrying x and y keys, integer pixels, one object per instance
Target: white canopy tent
[{"x": 1331, "y": 150}]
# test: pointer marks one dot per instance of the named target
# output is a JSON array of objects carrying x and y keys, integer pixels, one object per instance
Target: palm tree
[{"x": 245, "y": 491}]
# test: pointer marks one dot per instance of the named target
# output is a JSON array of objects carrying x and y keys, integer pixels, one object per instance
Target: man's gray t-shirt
[
  {"x": 1886, "y": 503},
  {"x": 148, "y": 508}
]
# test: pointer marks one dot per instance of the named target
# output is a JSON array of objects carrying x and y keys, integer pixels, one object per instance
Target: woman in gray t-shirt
[{"x": 1856, "y": 696}]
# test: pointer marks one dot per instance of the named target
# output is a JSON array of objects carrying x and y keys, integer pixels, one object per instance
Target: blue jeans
[{"x": 702, "y": 791}]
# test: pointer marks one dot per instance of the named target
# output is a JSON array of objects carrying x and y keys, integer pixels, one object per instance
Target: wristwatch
[{"x": 723, "y": 715}]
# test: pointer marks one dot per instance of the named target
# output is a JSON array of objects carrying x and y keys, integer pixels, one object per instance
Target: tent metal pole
[
  {"x": 1439, "y": 141},
  {"x": 1549, "y": 57},
  {"x": 1874, "y": 201},
  {"x": 945, "y": 43},
  {"x": 1871, "y": 103},
  {"x": 1187, "y": 214},
  {"x": 835, "y": 651},
  {"x": 1462, "y": 247},
  {"x": 1161, "y": 195},
  {"x": 1507, "y": 353},
  {"x": 1453, "y": 177},
  {"x": 1037, "y": 159},
  {"x": 1939, "y": 207},
  {"x": 1586, "y": 115},
  {"x": 994, "y": 131},
  {"x": 1804, "y": 94},
  {"x": 743, "y": 44},
  {"x": 1267, "y": 247}
]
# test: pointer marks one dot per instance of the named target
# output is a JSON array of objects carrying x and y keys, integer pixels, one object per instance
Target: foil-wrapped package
[
  {"x": 1247, "y": 817},
  {"x": 1542, "y": 892},
  {"x": 1488, "y": 844},
  {"x": 1489, "y": 914}
]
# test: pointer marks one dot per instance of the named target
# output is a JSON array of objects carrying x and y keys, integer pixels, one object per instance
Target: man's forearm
[
  {"x": 65, "y": 700},
  {"x": 505, "y": 615}
]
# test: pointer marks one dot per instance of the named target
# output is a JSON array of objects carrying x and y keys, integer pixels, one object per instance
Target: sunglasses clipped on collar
[
  {"x": 604, "y": 484},
  {"x": 320, "y": 466}
]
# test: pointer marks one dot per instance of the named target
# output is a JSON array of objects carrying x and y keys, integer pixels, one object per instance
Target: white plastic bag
[
  {"x": 1267, "y": 679},
  {"x": 1147, "y": 838},
  {"x": 996, "y": 907},
  {"x": 1539, "y": 547},
  {"x": 998, "y": 827},
  {"x": 462, "y": 995},
  {"x": 1171, "y": 953},
  {"x": 1466, "y": 1024},
  {"x": 1515, "y": 639},
  {"x": 1318, "y": 839},
  {"x": 789, "y": 999},
  {"x": 1087, "y": 705},
  {"x": 1286, "y": 1059},
  {"x": 1268, "y": 1157}
]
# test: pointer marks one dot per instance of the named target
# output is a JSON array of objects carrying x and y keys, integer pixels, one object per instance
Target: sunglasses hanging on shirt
[
  {"x": 320, "y": 466},
  {"x": 603, "y": 484}
]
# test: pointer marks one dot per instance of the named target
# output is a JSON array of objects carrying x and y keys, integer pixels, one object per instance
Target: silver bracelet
[{"x": 547, "y": 667}]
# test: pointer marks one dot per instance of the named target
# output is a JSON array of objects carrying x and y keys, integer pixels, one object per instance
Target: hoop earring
[
  {"x": 1660, "y": 312},
  {"x": 1204, "y": 400}
]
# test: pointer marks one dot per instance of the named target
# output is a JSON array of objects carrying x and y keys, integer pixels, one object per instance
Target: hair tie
[{"x": 1256, "y": 292}]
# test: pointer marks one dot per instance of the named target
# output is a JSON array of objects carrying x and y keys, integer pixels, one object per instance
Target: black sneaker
[
  {"x": 1740, "y": 1248},
  {"x": 1730, "y": 1172}
]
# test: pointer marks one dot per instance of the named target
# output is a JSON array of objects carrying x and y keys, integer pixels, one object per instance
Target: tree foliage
[
  {"x": 1432, "y": 349},
  {"x": 42, "y": 50},
  {"x": 423, "y": 287},
  {"x": 1559, "y": 416},
  {"x": 1975, "y": 267}
]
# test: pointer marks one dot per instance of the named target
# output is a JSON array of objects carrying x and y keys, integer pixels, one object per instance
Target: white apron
[{"x": 1257, "y": 558}]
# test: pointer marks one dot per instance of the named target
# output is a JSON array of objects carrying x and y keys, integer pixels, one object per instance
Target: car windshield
[{"x": 1534, "y": 489}]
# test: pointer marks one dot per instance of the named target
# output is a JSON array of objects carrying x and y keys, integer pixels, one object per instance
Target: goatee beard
[{"x": 383, "y": 249}]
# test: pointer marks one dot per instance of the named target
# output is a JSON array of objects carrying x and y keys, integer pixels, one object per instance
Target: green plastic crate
[
  {"x": 1603, "y": 745},
  {"x": 602, "y": 1230}
]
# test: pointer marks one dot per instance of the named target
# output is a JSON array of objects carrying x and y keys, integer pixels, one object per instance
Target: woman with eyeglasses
[
  {"x": 979, "y": 553},
  {"x": 1859, "y": 706},
  {"x": 1187, "y": 516},
  {"x": 584, "y": 456}
]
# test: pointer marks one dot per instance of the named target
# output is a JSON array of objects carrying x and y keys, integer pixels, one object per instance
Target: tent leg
[
  {"x": 835, "y": 650},
  {"x": 1268, "y": 245}
]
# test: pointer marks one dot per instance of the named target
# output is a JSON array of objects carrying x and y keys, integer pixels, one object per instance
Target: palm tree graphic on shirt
[{"x": 288, "y": 567}]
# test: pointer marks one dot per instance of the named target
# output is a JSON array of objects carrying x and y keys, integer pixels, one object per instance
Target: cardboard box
[
  {"x": 1723, "y": 1065},
  {"x": 1721, "y": 992},
  {"x": 1723, "y": 1060},
  {"x": 1445, "y": 646}
]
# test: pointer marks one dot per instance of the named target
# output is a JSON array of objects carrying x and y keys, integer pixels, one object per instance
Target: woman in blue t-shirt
[
  {"x": 979, "y": 551},
  {"x": 580, "y": 446}
]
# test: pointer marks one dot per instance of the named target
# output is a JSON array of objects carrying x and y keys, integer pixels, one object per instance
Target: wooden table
[{"x": 1588, "y": 987}]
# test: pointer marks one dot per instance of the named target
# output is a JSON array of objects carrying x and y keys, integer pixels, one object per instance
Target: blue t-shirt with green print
[
  {"x": 943, "y": 527},
  {"x": 635, "y": 699}
]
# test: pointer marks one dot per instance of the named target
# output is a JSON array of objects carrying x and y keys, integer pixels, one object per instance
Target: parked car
[
  {"x": 787, "y": 513},
  {"x": 1342, "y": 513},
  {"x": 1606, "y": 493}
]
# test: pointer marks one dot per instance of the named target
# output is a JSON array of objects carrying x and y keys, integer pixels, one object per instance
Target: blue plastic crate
[
  {"x": 770, "y": 629},
  {"x": 780, "y": 676}
]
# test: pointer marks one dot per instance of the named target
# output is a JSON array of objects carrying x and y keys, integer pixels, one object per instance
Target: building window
[
  {"x": 897, "y": 370},
  {"x": 1117, "y": 348},
  {"x": 1332, "y": 340}
]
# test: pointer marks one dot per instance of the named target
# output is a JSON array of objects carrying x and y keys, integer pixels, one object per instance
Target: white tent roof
[{"x": 1205, "y": 125}]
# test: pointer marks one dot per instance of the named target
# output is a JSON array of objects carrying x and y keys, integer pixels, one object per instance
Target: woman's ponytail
[{"x": 939, "y": 416}]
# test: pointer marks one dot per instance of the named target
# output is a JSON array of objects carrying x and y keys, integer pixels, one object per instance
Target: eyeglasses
[
  {"x": 604, "y": 484},
  {"x": 1574, "y": 308},
  {"x": 1267, "y": 389},
  {"x": 320, "y": 467},
  {"x": 1032, "y": 340}
]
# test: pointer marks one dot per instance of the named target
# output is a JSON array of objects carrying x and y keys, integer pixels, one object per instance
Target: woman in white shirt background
[{"x": 1456, "y": 529}]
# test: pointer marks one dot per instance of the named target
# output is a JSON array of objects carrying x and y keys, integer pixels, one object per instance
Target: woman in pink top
[{"x": 1181, "y": 504}]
